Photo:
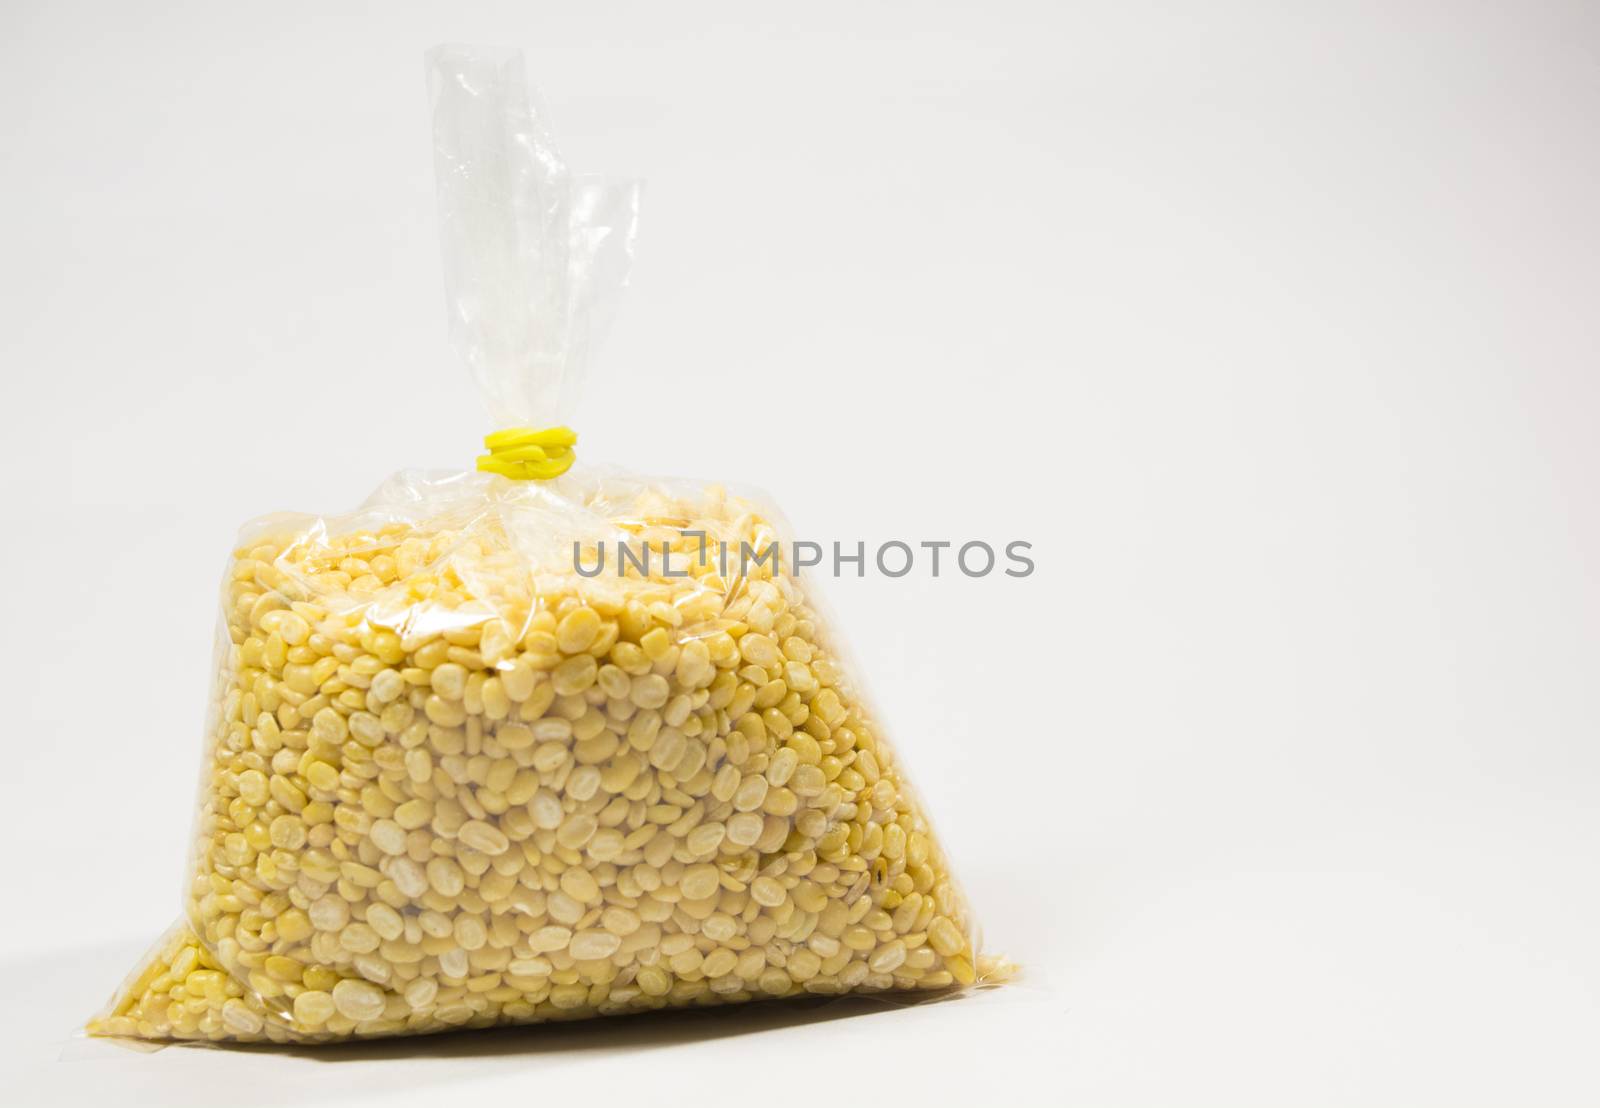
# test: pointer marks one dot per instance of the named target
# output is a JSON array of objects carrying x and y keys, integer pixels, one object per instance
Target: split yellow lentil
[{"x": 451, "y": 782}]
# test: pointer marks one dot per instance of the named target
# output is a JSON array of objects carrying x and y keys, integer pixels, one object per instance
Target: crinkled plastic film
[{"x": 451, "y": 781}]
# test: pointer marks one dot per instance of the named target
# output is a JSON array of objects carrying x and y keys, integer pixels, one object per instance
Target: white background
[{"x": 1272, "y": 326}]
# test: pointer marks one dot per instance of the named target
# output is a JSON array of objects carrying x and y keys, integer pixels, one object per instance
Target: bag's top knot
[{"x": 525, "y": 454}]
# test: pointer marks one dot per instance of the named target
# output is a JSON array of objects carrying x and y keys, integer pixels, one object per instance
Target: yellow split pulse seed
[{"x": 451, "y": 782}]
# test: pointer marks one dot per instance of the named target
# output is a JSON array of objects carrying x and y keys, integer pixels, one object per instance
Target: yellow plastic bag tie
[{"x": 526, "y": 454}]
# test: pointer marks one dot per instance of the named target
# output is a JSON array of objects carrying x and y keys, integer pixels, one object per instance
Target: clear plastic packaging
[{"x": 454, "y": 776}]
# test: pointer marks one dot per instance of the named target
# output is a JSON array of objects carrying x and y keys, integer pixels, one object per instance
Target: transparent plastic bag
[{"x": 454, "y": 778}]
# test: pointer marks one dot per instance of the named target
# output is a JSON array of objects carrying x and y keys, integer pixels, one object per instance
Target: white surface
[{"x": 1272, "y": 326}]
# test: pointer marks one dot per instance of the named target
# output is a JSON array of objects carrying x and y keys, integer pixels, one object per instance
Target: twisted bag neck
[
  {"x": 526, "y": 454},
  {"x": 534, "y": 256}
]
